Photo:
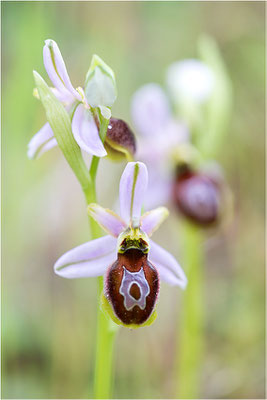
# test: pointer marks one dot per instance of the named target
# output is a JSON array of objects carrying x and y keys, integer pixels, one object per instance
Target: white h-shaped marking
[{"x": 129, "y": 278}]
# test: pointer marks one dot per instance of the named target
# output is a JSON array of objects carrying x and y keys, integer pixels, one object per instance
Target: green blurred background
[{"x": 48, "y": 323}]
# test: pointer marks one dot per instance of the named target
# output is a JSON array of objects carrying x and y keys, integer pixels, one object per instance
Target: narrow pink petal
[
  {"x": 151, "y": 220},
  {"x": 56, "y": 69},
  {"x": 133, "y": 185},
  {"x": 65, "y": 97},
  {"x": 169, "y": 269},
  {"x": 42, "y": 141},
  {"x": 47, "y": 146},
  {"x": 150, "y": 110},
  {"x": 107, "y": 219},
  {"x": 86, "y": 133},
  {"x": 87, "y": 260}
]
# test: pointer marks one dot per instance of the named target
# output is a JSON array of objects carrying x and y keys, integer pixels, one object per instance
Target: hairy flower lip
[
  {"x": 120, "y": 142},
  {"x": 135, "y": 268},
  {"x": 119, "y": 132}
]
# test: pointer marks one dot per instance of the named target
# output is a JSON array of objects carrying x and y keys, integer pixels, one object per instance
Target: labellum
[
  {"x": 120, "y": 140},
  {"x": 197, "y": 196},
  {"x": 132, "y": 284}
]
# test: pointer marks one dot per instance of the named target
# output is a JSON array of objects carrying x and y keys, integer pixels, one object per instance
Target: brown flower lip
[
  {"x": 120, "y": 141},
  {"x": 132, "y": 262},
  {"x": 120, "y": 133},
  {"x": 197, "y": 196}
]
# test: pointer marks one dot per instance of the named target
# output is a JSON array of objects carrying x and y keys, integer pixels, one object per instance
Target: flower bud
[
  {"x": 100, "y": 85},
  {"x": 197, "y": 196},
  {"x": 120, "y": 140}
]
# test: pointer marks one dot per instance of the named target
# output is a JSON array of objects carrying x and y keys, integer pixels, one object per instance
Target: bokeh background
[{"x": 48, "y": 323}]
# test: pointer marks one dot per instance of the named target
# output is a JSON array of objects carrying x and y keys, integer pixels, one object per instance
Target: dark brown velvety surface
[
  {"x": 133, "y": 260},
  {"x": 119, "y": 132}
]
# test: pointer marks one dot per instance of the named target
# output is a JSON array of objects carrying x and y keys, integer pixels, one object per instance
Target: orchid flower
[
  {"x": 160, "y": 134},
  {"x": 159, "y": 130},
  {"x": 132, "y": 264},
  {"x": 99, "y": 93},
  {"x": 164, "y": 145}
]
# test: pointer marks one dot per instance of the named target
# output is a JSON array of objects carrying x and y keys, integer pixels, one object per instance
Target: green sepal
[
  {"x": 100, "y": 84},
  {"x": 60, "y": 123},
  {"x": 108, "y": 310}
]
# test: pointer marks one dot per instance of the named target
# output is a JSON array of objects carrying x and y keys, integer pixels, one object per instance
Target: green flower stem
[
  {"x": 104, "y": 353},
  {"x": 189, "y": 359},
  {"x": 105, "y": 332},
  {"x": 102, "y": 133}
]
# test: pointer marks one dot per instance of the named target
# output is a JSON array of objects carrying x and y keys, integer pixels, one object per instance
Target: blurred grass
[{"x": 48, "y": 323}]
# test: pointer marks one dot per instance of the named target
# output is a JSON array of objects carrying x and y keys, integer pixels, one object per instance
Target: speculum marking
[{"x": 134, "y": 278}]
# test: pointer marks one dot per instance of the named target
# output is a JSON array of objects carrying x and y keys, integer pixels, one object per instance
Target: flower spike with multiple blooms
[
  {"x": 130, "y": 261},
  {"x": 100, "y": 92}
]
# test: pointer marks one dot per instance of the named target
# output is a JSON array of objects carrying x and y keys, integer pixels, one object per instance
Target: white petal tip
[
  {"x": 48, "y": 41},
  {"x": 102, "y": 153},
  {"x": 30, "y": 155},
  {"x": 183, "y": 285}
]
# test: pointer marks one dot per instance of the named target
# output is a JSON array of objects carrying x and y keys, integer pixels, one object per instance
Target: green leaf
[
  {"x": 100, "y": 84},
  {"x": 60, "y": 123},
  {"x": 220, "y": 104}
]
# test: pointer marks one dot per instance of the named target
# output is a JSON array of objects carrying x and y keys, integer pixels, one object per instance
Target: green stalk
[
  {"x": 105, "y": 333},
  {"x": 104, "y": 353},
  {"x": 189, "y": 352}
]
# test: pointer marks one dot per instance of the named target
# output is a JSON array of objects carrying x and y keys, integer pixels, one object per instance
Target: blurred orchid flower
[
  {"x": 190, "y": 80},
  {"x": 164, "y": 145},
  {"x": 160, "y": 134},
  {"x": 100, "y": 91},
  {"x": 132, "y": 263},
  {"x": 152, "y": 118}
]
